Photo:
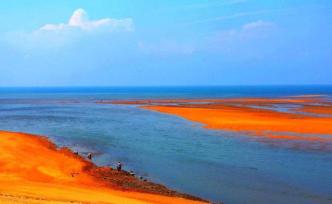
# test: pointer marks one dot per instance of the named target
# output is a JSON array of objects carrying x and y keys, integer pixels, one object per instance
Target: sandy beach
[{"x": 34, "y": 170}]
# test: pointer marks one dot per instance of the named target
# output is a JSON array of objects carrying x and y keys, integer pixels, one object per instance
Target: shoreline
[{"x": 35, "y": 170}]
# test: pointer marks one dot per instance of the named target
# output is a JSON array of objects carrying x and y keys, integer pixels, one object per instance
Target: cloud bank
[
  {"x": 78, "y": 27},
  {"x": 80, "y": 20}
]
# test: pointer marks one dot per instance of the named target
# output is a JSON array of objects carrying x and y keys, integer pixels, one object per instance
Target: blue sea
[{"x": 215, "y": 165}]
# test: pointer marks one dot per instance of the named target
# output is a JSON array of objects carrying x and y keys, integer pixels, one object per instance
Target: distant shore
[{"x": 34, "y": 170}]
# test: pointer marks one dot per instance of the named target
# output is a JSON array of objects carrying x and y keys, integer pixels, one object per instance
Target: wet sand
[
  {"x": 34, "y": 170},
  {"x": 307, "y": 119}
]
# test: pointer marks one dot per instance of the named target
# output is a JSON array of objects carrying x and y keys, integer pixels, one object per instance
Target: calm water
[{"x": 216, "y": 165}]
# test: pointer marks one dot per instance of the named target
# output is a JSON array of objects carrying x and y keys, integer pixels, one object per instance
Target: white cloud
[
  {"x": 249, "y": 30},
  {"x": 256, "y": 24},
  {"x": 249, "y": 41},
  {"x": 237, "y": 15},
  {"x": 80, "y": 20},
  {"x": 78, "y": 27}
]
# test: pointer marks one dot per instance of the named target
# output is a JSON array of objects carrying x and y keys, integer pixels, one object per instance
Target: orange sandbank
[
  {"x": 34, "y": 170},
  {"x": 325, "y": 110},
  {"x": 254, "y": 116},
  {"x": 253, "y": 120},
  {"x": 300, "y": 100}
]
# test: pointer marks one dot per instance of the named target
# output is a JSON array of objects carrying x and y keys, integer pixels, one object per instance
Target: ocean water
[{"x": 215, "y": 165}]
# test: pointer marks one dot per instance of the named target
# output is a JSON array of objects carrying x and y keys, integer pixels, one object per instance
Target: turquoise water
[{"x": 216, "y": 165}]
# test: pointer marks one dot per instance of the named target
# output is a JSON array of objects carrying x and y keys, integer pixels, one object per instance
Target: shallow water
[{"x": 216, "y": 165}]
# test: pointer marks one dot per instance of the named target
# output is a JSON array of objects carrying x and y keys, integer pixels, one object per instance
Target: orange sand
[
  {"x": 250, "y": 119},
  {"x": 299, "y": 100},
  {"x": 247, "y": 115},
  {"x": 33, "y": 170},
  {"x": 326, "y": 110}
]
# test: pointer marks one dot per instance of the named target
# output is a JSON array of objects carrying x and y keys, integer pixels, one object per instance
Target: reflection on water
[{"x": 215, "y": 165}]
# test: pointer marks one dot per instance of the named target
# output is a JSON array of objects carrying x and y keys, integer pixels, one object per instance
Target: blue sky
[{"x": 156, "y": 43}]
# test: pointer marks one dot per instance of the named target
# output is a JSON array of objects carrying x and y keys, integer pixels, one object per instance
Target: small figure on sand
[
  {"x": 119, "y": 166},
  {"x": 90, "y": 155},
  {"x": 132, "y": 173}
]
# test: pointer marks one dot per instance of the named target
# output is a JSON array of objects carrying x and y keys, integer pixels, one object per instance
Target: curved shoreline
[{"x": 34, "y": 170}]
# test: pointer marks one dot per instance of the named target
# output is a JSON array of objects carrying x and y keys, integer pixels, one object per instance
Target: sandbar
[{"x": 296, "y": 118}]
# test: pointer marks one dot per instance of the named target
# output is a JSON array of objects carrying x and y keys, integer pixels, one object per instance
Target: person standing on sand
[
  {"x": 90, "y": 155},
  {"x": 119, "y": 166}
]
